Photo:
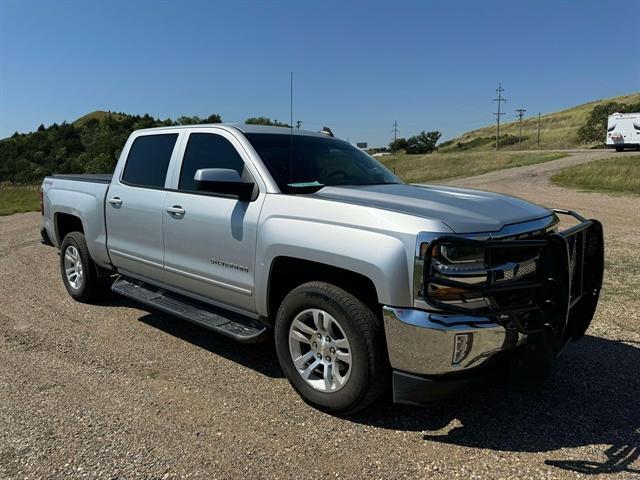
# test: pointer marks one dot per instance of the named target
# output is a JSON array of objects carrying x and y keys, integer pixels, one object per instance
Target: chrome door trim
[
  {"x": 217, "y": 283},
  {"x": 133, "y": 257}
]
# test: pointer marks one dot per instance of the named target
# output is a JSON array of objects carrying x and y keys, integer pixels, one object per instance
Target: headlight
[
  {"x": 465, "y": 263},
  {"x": 456, "y": 259},
  {"x": 457, "y": 254},
  {"x": 472, "y": 265}
]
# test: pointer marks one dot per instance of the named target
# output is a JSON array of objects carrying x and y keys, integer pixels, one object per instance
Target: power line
[
  {"x": 520, "y": 112},
  {"x": 500, "y": 99},
  {"x": 395, "y": 130}
]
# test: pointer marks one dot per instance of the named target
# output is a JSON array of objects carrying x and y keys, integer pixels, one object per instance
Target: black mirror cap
[
  {"x": 242, "y": 190},
  {"x": 225, "y": 182}
]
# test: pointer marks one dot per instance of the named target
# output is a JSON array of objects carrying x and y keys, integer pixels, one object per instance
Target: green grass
[
  {"x": 558, "y": 130},
  {"x": 616, "y": 174},
  {"x": 437, "y": 166},
  {"x": 18, "y": 198}
]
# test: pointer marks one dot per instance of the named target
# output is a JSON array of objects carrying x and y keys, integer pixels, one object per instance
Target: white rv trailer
[{"x": 623, "y": 131}]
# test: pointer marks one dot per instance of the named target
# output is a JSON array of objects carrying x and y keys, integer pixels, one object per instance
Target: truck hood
[{"x": 462, "y": 210}]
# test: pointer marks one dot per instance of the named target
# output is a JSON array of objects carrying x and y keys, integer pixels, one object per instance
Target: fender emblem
[{"x": 232, "y": 266}]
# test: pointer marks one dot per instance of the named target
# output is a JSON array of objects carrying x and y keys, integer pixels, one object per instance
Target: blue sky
[{"x": 358, "y": 66}]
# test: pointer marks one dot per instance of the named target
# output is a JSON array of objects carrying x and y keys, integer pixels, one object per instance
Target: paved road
[{"x": 116, "y": 391}]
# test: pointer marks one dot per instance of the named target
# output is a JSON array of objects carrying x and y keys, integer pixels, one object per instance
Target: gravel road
[{"x": 116, "y": 391}]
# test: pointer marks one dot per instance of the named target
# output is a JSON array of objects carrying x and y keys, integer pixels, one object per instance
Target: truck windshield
[{"x": 307, "y": 163}]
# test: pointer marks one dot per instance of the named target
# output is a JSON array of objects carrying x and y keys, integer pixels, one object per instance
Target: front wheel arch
[{"x": 287, "y": 273}]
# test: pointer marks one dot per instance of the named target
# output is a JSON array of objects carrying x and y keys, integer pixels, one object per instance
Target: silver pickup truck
[{"x": 362, "y": 281}]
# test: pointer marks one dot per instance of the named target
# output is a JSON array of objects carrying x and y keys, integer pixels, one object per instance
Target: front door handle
[
  {"x": 115, "y": 201},
  {"x": 176, "y": 211}
]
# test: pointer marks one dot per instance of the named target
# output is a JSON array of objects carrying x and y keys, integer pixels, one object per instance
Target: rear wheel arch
[
  {"x": 82, "y": 278},
  {"x": 66, "y": 223}
]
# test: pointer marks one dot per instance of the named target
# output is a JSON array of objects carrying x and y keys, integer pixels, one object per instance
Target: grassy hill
[
  {"x": 98, "y": 116},
  {"x": 558, "y": 130},
  {"x": 90, "y": 144}
]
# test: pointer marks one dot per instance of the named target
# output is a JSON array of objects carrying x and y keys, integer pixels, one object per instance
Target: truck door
[
  {"x": 210, "y": 239},
  {"x": 134, "y": 205}
]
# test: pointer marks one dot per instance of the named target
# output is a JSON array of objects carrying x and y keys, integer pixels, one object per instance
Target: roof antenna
[{"x": 291, "y": 129}]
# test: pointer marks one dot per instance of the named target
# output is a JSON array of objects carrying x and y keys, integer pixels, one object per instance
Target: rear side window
[
  {"x": 148, "y": 160},
  {"x": 207, "y": 150}
]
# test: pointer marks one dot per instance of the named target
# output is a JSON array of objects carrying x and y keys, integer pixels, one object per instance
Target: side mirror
[{"x": 223, "y": 180}]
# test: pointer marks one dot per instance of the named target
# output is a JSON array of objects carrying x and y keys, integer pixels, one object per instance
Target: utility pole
[
  {"x": 298, "y": 124},
  {"x": 395, "y": 130},
  {"x": 520, "y": 112},
  {"x": 538, "y": 129},
  {"x": 500, "y": 99}
]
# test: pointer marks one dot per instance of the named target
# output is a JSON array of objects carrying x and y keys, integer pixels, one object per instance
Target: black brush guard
[{"x": 562, "y": 294}]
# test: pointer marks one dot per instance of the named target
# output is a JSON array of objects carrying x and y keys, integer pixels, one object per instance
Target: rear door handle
[
  {"x": 115, "y": 201},
  {"x": 176, "y": 210}
]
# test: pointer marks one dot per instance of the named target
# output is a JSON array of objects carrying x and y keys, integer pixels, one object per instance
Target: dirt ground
[{"x": 116, "y": 391}]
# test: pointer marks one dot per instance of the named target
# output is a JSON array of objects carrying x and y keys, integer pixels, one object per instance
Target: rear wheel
[
  {"x": 331, "y": 348},
  {"x": 619, "y": 149},
  {"x": 79, "y": 272}
]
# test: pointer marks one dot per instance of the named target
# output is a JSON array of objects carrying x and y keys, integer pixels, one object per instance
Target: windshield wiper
[
  {"x": 304, "y": 187},
  {"x": 383, "y": 183}
]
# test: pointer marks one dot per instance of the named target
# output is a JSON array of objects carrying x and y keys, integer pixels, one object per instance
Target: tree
[
  {"x": 184, "y": 120},
  {"x": 424, "y": 142},
  {"x": 265, "y": 121},
  {"x": 90, "y": 146},
  {"x": 398, "y": 144},
  {"x": 213, "y": 118}
]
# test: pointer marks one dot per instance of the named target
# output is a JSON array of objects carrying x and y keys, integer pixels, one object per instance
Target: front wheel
[{"x": 331, "y": 348}]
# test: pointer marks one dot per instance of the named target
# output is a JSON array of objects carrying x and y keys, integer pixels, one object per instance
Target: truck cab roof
[{"x": 242, "y": 127}]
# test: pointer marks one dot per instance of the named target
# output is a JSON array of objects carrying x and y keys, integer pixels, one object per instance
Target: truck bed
[
  {"x": 81, "y": 196},
  {"x": 86, "y": 177}
]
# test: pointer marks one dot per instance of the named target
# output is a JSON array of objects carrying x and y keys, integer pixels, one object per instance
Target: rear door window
[{"x": 148, "y": 160}]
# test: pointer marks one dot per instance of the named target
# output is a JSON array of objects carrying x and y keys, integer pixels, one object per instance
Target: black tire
[
  {"x": 92, "y": 286},
  {"x": 370, "y": 374},
  {"x": 619, "y": 149}
]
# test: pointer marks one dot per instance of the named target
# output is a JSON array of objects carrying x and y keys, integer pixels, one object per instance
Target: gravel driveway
[{"x": 118, "y": 391}]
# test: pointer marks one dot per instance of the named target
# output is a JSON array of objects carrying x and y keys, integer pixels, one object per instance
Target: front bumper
[
  {"x": 434, "y": 356},
  {"x": 439, "y": 351},
  {"x": 427, "y": 343}
]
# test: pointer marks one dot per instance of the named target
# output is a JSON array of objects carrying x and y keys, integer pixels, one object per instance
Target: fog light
[{"x": 461, "y": 347}]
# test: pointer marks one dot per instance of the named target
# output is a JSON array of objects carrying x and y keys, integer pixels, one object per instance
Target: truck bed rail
[{"x": 85, "y": 177}]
